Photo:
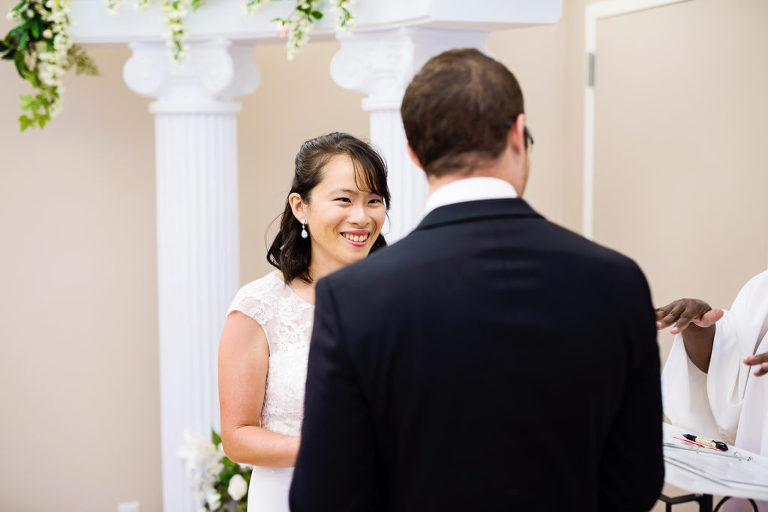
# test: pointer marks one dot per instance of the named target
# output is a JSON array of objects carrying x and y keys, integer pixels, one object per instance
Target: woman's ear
[{"x": 297, "y": 206}]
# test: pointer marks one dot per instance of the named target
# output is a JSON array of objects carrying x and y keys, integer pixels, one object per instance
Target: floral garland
[
  {"x": 216, "y": 480},
  {"x": 42, "y": 49},
  {"x": 297, "y": 26}
]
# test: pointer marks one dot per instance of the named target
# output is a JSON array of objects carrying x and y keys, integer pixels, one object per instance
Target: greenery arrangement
[
  {"x": 42, "y": 50},
  {"x": 221, "y": 484},
  {"x": 41, "y": 47}
]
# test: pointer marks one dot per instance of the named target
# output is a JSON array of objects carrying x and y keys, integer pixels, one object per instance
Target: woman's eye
[
  {"x": 376, "y": 201},
  {"x": 343, "y": 199}
]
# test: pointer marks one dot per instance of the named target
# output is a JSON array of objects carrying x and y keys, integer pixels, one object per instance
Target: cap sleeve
[{"x": 256, "y": 299}]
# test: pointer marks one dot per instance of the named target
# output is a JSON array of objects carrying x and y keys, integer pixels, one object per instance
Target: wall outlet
[{"x": 129, "y": 506}]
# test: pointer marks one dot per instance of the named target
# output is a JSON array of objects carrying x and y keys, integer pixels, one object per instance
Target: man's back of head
[{"x": 458, "y": 111}]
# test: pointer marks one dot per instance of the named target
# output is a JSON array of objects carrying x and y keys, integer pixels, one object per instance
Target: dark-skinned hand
[
  {"x": 759, "y": 360},
  {"x": 684, "y": 312}
]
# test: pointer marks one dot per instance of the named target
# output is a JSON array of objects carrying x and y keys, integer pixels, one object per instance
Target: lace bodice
[{"x": 287, "y": 321}]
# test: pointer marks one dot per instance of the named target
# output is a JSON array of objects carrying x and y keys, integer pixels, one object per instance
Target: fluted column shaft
[{"x": 197, "y": 230}]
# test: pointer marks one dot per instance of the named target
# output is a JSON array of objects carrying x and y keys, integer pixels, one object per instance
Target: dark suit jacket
[{"x": 490, "y": 360}]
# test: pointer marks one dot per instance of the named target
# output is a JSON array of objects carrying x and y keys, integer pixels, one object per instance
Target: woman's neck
[
  {"x": 321, "y": 267},
  {"x": 318, "y": 269}
]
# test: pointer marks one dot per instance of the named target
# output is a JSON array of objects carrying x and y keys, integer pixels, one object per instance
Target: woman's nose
[{"x": 358, "y": 214}]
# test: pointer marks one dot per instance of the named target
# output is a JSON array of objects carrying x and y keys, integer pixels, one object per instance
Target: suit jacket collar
[{"x": 477, "y": 210}]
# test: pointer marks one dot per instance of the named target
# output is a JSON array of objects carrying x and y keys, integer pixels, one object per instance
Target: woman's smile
[{"x": 357, "y": 238}]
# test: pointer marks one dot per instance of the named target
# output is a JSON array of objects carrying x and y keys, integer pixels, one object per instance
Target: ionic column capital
[
  {"x": 382, "y": 63},
  {"x": 215, "y": 73}
]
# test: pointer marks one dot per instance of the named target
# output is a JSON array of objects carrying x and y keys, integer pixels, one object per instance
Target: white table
[{"x": 710, "y": 482}]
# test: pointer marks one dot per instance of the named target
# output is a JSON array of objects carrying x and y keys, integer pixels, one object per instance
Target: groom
[{"x": 490, "y": 360}]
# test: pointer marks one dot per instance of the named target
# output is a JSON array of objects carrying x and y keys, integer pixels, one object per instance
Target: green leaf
[
  {"x": 28, "y": 102},
  {"x": 35, "y": 29},
  {"x": 19, "y": 6},
  {"x": 15, "y": 34},
  {"x": 83, "y": 63},
  {"x": 216, "y": 438},
  {"x": 23, "y": 41},
  {"x": 317, "y": 15},
  {"x": 30, "y": 77},
  {"x": 25, "y": 122},
  {"x": 10, "y": 55},
  {"x": 21, "y": 66}
]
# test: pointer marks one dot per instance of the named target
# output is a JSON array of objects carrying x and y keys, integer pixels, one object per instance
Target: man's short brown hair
[{"x": 458, "y": 109}]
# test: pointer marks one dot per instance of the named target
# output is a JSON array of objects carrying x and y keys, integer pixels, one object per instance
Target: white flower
[
  {"x": 48, "y": 33},
  {"x": 237, "y": 487},
  {"x": 213, "y": 499},
  {"x": 30, "y": 13},
  {"x": 55, "y": 109},
  {"x": 196, "y": 450}
]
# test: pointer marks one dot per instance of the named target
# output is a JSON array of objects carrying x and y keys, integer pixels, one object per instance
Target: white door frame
[{"x": 595, "y": 12}]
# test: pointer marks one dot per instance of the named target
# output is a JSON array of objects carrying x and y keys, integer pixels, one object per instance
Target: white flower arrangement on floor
[
  {"x": 222, "y": 485},
  {"x": 42, "y": 49}
]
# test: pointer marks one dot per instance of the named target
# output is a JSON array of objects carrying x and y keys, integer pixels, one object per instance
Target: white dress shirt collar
[{"x": 470, "y": 189}]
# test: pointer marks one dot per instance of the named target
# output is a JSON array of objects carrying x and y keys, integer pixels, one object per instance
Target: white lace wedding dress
[{"x": 287, "y": 321}]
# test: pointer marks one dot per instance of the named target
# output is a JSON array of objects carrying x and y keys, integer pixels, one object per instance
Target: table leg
[{"x": 705, "y": 503}]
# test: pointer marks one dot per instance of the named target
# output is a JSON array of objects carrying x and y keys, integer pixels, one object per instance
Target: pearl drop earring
[{"x": 304, "y": 233}]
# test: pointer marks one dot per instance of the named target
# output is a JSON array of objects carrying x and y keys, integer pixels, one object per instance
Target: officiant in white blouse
[{"x": 713, "y": 382}]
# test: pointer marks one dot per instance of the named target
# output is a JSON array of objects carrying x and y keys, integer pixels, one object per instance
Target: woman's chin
[{"x": 355, "y": 254}]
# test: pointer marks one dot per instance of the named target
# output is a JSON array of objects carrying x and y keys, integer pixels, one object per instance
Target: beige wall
[
  {"x": 78, "y": 322},
  {"x": 680, "y": 173}
]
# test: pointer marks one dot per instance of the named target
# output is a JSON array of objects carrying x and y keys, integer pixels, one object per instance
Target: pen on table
[
  {"x": 713, "y": 444},
  {"x": 692, "y": 443},
  {"x": 694, "y": 447}
]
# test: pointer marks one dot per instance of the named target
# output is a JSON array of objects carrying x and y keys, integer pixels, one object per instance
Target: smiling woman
[
  {"x": 344, "y": 221},
  {"x": 332, "y": 218},
  {"x": 339, "y": 188}
]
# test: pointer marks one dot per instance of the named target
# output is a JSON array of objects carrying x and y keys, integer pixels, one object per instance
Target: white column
[
  {"x": 381, "y": 64},
  {"x": 197, "y": 229}
]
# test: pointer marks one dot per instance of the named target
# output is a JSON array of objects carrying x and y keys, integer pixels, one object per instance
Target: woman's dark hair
[{"x": 292, "y": 254}]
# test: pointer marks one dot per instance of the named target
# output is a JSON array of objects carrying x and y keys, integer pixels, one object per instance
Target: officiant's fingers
[
  {"x": 681, "y": 313},
  {"x": 664, "y": 316},
  {"x": 710, "y": 318},
  {"x": 692, "y": 311},
  {"x": 760, "y": 361},
  {"x": 682, "y": 316},
  {"x": 662, "y": 312}
]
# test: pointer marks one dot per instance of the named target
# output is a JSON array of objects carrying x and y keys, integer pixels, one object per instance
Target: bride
[{"x": 333, "y": 217}]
